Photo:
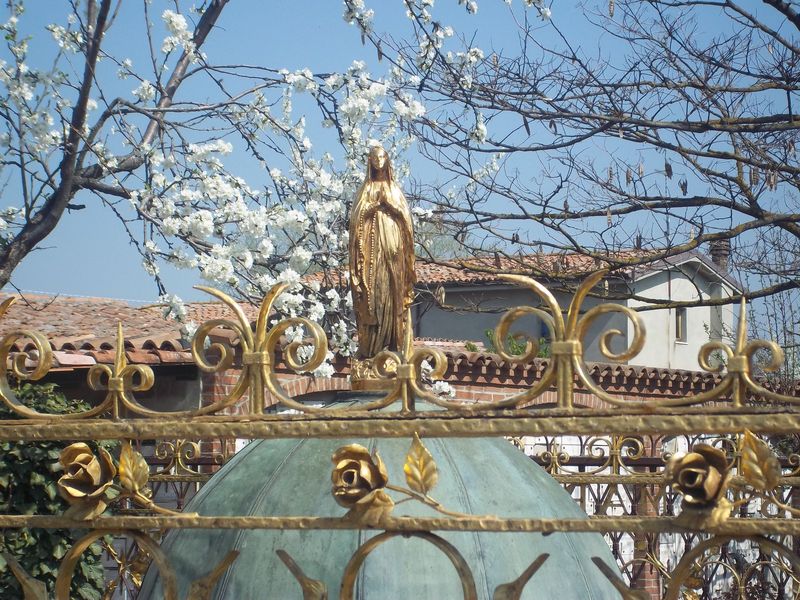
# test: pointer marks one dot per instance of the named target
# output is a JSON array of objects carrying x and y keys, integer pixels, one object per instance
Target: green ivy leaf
[{"x": 28, "y": 486}]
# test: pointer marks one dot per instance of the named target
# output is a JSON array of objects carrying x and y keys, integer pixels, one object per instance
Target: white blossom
[
  {"x": 200, "y": 224},
  {"x": 442, "y": 388},
  {"x": 289, "y": 276},
  {"x": 479, "y": 133},
  {"x": 217, "y": 269},
  {"x": 145, "y": 92},
  {"x": 408, "y": 108},
  {"x": 300, "y": 258},
  {"x": 180, "y": 34}
]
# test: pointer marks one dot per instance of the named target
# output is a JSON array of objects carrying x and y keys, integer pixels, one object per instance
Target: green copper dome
[{"x": 293, "y": 478}]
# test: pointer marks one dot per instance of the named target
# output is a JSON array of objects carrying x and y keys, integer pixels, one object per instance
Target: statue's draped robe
[{"x": 381, "y": 264}]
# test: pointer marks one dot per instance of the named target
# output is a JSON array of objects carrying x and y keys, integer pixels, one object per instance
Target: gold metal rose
[
  {"x": 86, "y": 480},
  {"x": 702, "y": 477},
  {"x": 89, "y": 486},
  {"x": 359, "y": 483}
]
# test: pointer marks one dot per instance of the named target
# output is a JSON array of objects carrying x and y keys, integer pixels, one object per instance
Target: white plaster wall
[{"x": 662, "y": 349}]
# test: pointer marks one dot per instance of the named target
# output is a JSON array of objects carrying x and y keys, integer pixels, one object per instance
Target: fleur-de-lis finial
[
  {"x": 119, "y": 380},
  {"x": 737, "y": 362},
  {"x": 259, "y": 346},
  {"x": 566, "y": 344}
]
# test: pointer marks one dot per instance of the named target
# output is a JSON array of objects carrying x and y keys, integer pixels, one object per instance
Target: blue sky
[{"x": 89, "y": 253}]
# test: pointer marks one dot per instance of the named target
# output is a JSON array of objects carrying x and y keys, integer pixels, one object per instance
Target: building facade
[{"x": 460, "y": 304}]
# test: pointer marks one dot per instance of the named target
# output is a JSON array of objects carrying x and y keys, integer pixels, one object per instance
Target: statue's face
[{"x": 378, "y": 159}]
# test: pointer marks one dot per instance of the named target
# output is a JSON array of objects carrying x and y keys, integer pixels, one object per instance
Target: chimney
[{"x": 720, "y": 251}]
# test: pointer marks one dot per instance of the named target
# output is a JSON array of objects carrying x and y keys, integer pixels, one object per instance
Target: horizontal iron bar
[
  {"x": 384, "y": 425},
  {"x": 734, "y": 526},
  {"x": 661, "y": 479}
]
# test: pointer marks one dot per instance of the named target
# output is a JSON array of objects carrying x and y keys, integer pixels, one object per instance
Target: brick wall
[{"x": 471, "y": 382}]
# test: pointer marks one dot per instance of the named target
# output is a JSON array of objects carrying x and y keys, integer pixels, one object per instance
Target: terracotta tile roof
[
  {"x": 558, "y": 266},
  {"x": 549, "y": 266},
  {"x": 83, "y": 331},
  {"x": 205, "y": 311},
  {"x": 79, "y": 323},
  {"x": 485, "y": 270},
  {"x": 74, "y": 321}
]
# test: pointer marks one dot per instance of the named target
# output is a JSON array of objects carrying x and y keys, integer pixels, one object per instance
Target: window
[{"x": 680, "y": 324}]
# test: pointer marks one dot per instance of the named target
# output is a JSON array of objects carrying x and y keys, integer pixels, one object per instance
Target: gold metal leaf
[
  {"x": 372, "y": 509},
  {"x": 312, "y": 588},
  {"x": 625, "y": 592},
  {"x": 760, "y": 466},
  {"x": 201, "y": 588},
  {"x": 5, "y": 304},
  {"x": 32, "y": 588},
  {"x": 133, "y": 469},
  {"x": 420, "y": 468},
  {"x": 513, "y": 590}
]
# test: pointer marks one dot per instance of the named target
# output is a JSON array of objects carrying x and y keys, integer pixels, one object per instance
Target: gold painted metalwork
[
  {"x": 428, "y": 424},
  {"x": 702, "y": 477},
  {"x": 179, "y": 455},
  {"x": 365, "y": 375},
  {"x": 553, "y": 458},
  {"x": 313, "y": 589},
  {"x": 686, "y": 568},
  {"x": 120, "y": 380},
  {"x": 450, "y": 551},
  {"x": 513, "y": 590},
  {"x": 32, "y": 588},
  {"x": 736, "y": 470},
  {"x": 601, "y": 524},
  {"x": 18, "y": 368},
  {"x": 619, "y": 585},
  {"x": 360, "y": 482},
  {"x": 611, "y": 453},
  {"x": 200, "y": 589},
  {"x": 131, "y": 564},
  {"x": 259, "y": 346},
  {"x": 421, "y": 471},
  {"x": 398, "y": 374},
  {"x": 566, "y": 341},
  {"x": 761, "y": 571},
  {"x": 316, "y": 590},
  {"x": 88, "y": 482}
]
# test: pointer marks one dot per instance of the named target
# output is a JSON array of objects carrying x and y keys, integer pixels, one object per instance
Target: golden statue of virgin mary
[{"x": 381, "y": 260}]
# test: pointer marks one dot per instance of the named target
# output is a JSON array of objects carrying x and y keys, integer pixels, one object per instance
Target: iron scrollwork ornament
[{"x": 91, "y": 482}]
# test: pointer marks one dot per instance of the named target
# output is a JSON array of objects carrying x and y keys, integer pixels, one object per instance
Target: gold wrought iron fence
[{"x": 712, "y": 498}]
